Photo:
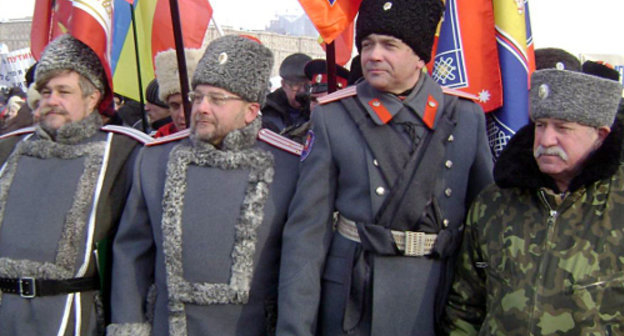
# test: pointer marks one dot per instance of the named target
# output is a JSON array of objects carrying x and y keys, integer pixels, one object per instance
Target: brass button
[
  {"x": 387, "y": 6},
  {"x": 380, "y": 191},
  {"x": 448, "y": 192},
  {"x": 451, "y": 138},
  {"x": 376, "y": 103},
  {"x": 448, "y": 164},
  {"x": 375, "y": 163},
  {"x": 432, "y": 104},
  {"x": 445, "y": 222}
]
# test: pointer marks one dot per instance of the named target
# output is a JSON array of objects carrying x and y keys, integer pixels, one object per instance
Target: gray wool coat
[
  {"x": 58, "y": 199},
  {"x": 341, "y": 174},
  {"x": 198, "y": 248}
]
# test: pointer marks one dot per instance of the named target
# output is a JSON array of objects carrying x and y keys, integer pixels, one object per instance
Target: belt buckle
[
  {"x": 27, "y": 287},
  {"x": 414, "y": 244}
]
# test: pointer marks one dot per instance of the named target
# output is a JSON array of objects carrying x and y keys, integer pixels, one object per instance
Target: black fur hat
[
  {"x": 412, "y": 21},
  {"x": 555, "y": 58}
]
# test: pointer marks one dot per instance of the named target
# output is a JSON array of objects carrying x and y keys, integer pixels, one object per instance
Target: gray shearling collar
[{"x": 74, "y": 132}]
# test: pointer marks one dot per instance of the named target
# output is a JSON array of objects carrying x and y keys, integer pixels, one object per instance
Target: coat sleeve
[
  {"x": 307, "y": 235},
  {"x": 466, "y": 306},
  {"x": 482, "y": 166},
  {"x": 133, "y": 264}
]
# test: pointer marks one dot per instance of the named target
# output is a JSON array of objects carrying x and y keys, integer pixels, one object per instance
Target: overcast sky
[{"x": 579, "y": 26}]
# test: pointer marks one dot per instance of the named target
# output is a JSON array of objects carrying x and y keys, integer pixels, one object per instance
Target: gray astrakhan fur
[
  {"x": 76, "y": 220},
  {"x": 236, "y": 153}
]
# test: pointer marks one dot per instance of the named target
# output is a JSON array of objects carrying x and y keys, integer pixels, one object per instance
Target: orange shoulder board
[
  {"x": 340, "y": 94},
  {"x": 20, "y": 131},
  {"x": 130, "y": 132},
  {"x": 280, "y": 141},
  {"x": 169, "y": 138},
  {"x": 461, "y": 94}
]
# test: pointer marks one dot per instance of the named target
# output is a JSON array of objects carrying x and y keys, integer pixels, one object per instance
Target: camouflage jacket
[{"x": 535, "y": 262}]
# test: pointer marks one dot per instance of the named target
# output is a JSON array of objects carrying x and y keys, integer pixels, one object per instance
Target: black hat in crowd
[
  {"x": 292, "y": 67},
  {"x": 151, "y": 94},
  {"x": 316, "y": 72},
  {"x": 601, "y": 70},
  {"x": 555, "y": 58},
  {"x": 412, "y": 21}
]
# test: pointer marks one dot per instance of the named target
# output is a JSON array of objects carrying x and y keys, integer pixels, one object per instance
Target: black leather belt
[{"x": 28, "y": 287}]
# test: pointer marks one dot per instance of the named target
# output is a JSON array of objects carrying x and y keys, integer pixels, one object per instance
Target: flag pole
[
  {"x": 330, "y": 55},
  {"x": 138, "y": 65},
  {"x": 219, "y": 30},
  {"x": 179, "y": 45}
]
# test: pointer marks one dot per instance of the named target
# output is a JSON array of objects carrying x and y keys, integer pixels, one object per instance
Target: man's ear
[
  {"x": 251, "y": 112},
  {"x": 93, "y": 100},
  {"x": 603, "y": 132}
]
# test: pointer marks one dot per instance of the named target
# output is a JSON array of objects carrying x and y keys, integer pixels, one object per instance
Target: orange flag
[{"x": 331, "y": 17}]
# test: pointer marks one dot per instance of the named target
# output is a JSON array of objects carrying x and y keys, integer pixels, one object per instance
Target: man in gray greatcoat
[
  {"x": 63, "y": 184},
  {"x": 198, "y": 248},
  {"x": 398, "y": 159}
]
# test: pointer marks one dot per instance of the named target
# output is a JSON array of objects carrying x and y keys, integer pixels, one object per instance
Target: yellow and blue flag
[{"x": 154, "y": 34}]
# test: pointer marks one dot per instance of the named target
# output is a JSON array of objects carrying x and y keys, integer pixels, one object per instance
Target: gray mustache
[{"x": 539, "y": 151}]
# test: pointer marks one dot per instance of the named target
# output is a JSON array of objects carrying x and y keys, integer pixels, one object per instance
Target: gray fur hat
[
  {"x": 574, "y": 96},
  {"x": 68, "y": 53},
  {"x": 237, "y": 64}
]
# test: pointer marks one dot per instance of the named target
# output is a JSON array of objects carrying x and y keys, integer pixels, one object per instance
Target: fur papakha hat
[
  {"x": 166, "y": 70},
  {"x": 555, "y": 58},
  {"x": 68, "y": 53},
  {"x": 412, "y": 21},
  {"x": 237, "y": 64},
  {"x": 574, "y": 96}
]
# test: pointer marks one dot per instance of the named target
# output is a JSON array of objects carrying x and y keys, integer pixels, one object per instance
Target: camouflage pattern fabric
[{"x": 535, "y": 263}]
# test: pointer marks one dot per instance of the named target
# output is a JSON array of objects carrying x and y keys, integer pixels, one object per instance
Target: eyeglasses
[
  {"x": 215, "y": 99},
  {"x": 296, "y": 86}
]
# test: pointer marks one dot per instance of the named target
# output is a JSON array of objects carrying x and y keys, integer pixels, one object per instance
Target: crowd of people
[{"x": 373, "y": 210}]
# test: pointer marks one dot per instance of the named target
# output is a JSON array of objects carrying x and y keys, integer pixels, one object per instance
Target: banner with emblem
[
  {"x": 517, "y": 63},
  {"x": 465, "y": 56},
  {"x": 89, "y": 21},
  {"x": 154, "y": 34}
]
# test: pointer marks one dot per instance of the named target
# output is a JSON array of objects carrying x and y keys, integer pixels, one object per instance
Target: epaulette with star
[
  {"x": 170, "y": 138},
  {"x": 21, "y": 131},
  {"x": 280, "y": 141},
  {"x": 461, "y": 94},
  {"x": 130, "y": 132},
  {"x": 337, "y": 95}
]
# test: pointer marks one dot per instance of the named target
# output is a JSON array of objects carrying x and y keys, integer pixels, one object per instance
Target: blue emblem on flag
[
  {"x": 331, "y": 2},
  {"x": 449, "y": 68}
]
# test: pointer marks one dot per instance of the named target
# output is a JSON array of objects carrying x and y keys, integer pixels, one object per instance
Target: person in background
[
  {"x": 157, "y": 111},
  {"x": 169, "y": 91},
  {"x": 283, "y": 109}
]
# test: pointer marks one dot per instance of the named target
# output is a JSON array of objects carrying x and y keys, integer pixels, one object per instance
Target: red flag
[
  {"x": 343, "y": 44},
  {"x": 87, "y": 20},
  {"x": 465, "y": 56},
  {"x": 331, "y": 17},
  {"x": 195, "y": 16}
]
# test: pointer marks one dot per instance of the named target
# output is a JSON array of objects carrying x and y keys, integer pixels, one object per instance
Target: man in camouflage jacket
[{"x": 543, "y": 248}]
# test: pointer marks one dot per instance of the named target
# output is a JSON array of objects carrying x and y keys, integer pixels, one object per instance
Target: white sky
[{"x": 579, "y": 26}]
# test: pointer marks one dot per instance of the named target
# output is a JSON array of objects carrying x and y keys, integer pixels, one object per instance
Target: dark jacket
[{"x": 278, "y": 115}]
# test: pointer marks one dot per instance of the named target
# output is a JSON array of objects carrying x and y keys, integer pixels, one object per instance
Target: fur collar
[
  {"x": 516, "y": 166},
  {"x": 72, "y": 133},
  {"x": 236, "y": 140},
  {"x": 237, "y": 153}
]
